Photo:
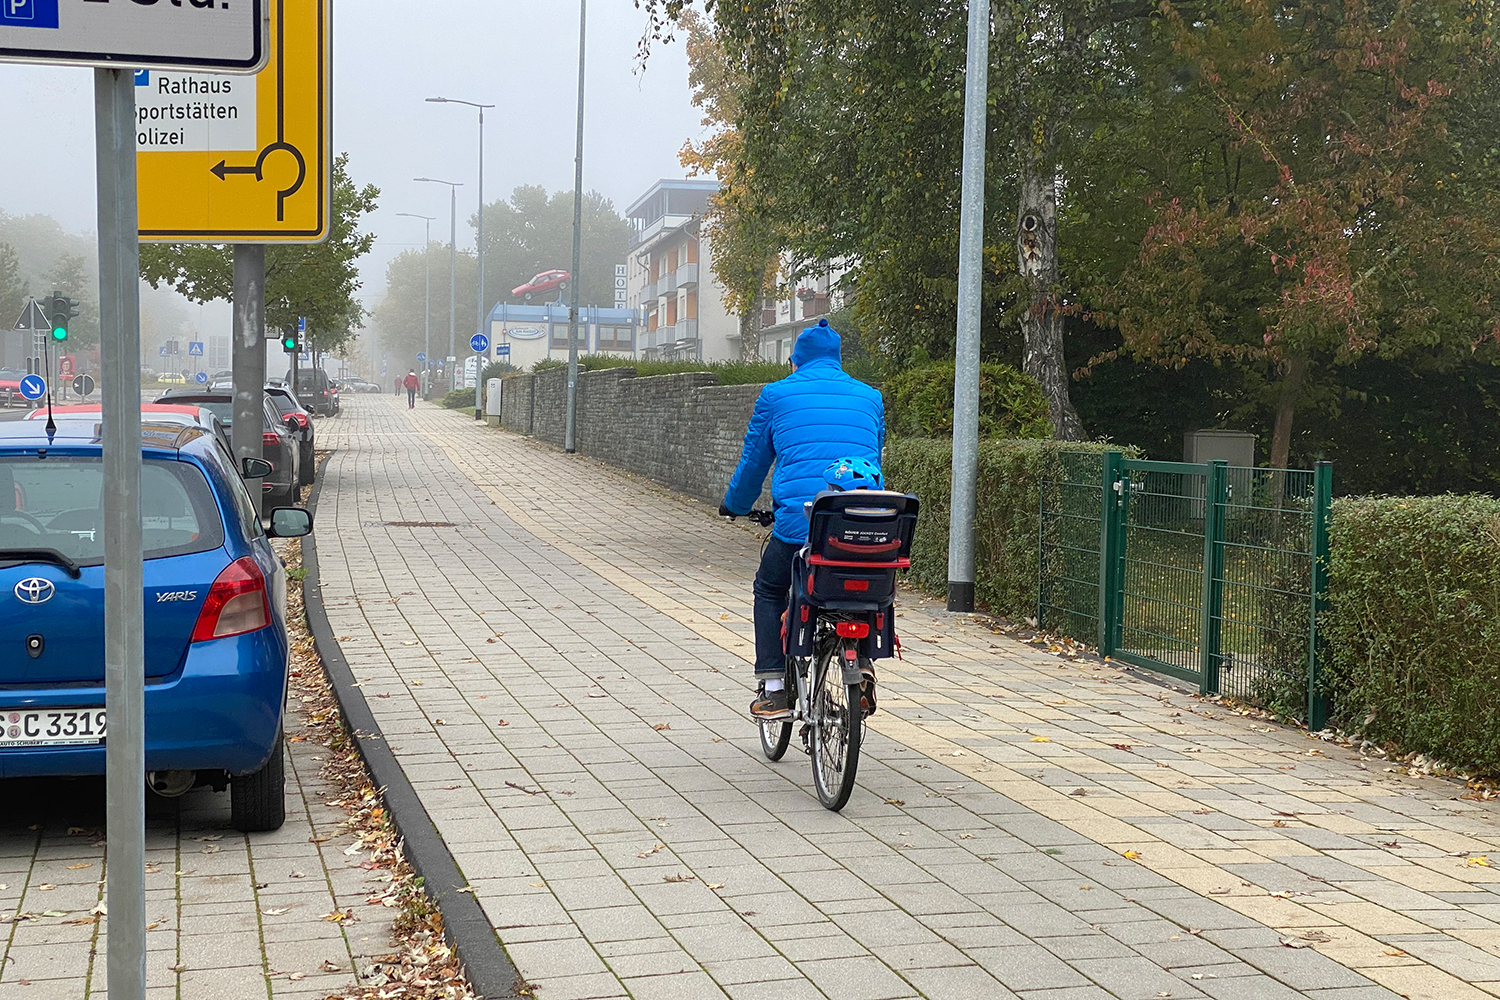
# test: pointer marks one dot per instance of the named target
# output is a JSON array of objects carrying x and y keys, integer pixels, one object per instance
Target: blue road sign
[
  {"x": 33, "y": 387},
  {"x": 421, "y": 355},
  {"x": 195, "y": 348},
  {"x": 301, "y": 324},
  {"x": 201, "y": 378},
  {"x": 163, "y": 350},
  {"x": 28, "y": 13},
  {"x": 143, "y": 78},
  {"x": 479, "y": 343},
  {"x": 502, "y": 351}
]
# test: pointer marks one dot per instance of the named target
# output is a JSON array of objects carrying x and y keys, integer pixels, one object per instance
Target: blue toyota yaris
[{"x": 215, "y": 600}]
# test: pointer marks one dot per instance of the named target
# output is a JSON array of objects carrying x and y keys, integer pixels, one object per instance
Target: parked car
[
  {"x": 547, "y": 281},
  {"x": 10, "y": 385},
  {"x": 215, "y": 616},
  {"x": 187, "y": 414},
  {"x": 286, "y": 404},
  {"x": 284, "y": 484},
  {"x": 314, "y": 392}
]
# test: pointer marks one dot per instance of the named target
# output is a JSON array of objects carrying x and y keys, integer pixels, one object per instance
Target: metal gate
[{"x": 1210, "y": 573}]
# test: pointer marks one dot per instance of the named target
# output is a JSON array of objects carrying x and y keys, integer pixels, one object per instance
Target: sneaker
[
  {"x": 867, "y": 691},
  {"x": 772, "y": 705}
]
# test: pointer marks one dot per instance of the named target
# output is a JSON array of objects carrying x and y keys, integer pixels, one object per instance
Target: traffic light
[
  {"x": 291, "y": 340},
  {"x": 61, "y": 311}
]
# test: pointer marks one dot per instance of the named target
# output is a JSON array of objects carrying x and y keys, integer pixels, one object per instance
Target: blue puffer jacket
[{"x": 803, "y": 423}]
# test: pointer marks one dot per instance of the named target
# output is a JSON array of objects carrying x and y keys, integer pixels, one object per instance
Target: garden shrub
[
  {"x": 919, "y": 403},
  {"x": 459, "y": 399},
  {"x": 1007, "y": 519},
  {"x": 1413, "y": 625},
  {"x": 729, "y": 372}
]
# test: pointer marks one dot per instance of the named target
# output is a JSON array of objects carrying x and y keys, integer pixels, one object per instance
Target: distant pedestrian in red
[{"x": 411, "y": 383}]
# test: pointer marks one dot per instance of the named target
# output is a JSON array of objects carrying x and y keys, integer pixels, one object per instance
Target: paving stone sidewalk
[
  {"x": 557, "y": 652},
  {"x": 232, "y": 916}
]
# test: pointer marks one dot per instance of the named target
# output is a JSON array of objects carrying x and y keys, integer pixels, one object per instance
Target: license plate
[{"x": 46, "y": 727}]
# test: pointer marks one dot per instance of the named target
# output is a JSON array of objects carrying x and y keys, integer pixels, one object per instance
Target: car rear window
[
  {"x": 283, "y": 405},
  {"x": 57, "y": 503}
]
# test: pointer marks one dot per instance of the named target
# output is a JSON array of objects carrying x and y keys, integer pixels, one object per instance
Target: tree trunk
[
  {"x": 1286, "y": 406},
  {"x": 1042, "y": 323},
  {"x": 750, "y": 324}
]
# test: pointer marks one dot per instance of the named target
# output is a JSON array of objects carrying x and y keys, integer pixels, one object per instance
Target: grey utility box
[
  {"x": 1235, "y": 447},
  {"x": 492, "y": 402}
]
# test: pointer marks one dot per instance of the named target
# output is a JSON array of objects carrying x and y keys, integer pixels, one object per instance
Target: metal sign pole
[
  {"x": 124, "y": 613},
  {"x": 249, "y": 355},
  {"x": 570, "y": 433}
]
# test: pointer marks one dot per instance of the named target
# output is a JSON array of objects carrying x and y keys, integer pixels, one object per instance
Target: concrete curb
[{"x": 489, "y": 969}]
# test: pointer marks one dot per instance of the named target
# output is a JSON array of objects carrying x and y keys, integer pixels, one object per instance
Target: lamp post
[
  {"x": 479, "y": 239},
  {"x": 453, "y": 187},
  {"x": 570, "y": 437},
  {"x": 427, "y": 310}
]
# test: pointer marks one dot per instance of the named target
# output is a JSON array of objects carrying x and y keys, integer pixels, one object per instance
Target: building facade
[
  {"x": 682, "y": 307},
  {"x": 533, "y": 333}
]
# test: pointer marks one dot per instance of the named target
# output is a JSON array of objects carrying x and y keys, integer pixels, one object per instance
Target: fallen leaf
[
  {"x": 648, "y": 853},
  {"x": 1078, "y": 792},
  {"x": 1394, "y": 952},
  {"x": 297, "y": 976},
  {"x": 338, "y": 916},
  {"x": 1122, "y": 746},
  {"x": 679, "y": 878},
  {"x": 180, "y": 967},
  {"x": 276, "y": 911},
  {"x": 1479, "y": 862},
  {"x": 895, "y": 802},
  {"x": 502, "y": 722},
  {"x": 46, "y": 887},
  {"x": 210, "y": 849},
  {"x": 85, "y": 864},
  {"x": 328, "y": 966},
  {"x": 1130, "y": 855},
  {"x": 1041, "y": 739},
  {"x": 714, "y": 885},
  {"x": 662, "y": 725}
]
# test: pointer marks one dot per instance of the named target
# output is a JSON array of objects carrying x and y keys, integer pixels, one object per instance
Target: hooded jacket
[{"x": 803, "y": 423}]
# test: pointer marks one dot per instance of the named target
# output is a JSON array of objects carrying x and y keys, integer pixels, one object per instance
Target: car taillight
[
  {"x": 852, "y": 630},
  {"x": 237, "y": 603},
  {"x": 270, "y": 439},
  {"x": 301, "y": 418}
]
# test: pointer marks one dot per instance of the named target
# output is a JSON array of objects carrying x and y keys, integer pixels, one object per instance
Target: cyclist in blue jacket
[{"x": 802, "y": 423}]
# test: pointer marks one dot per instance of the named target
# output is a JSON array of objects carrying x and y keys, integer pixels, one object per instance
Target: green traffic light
[{"x": 59, "y": 333}]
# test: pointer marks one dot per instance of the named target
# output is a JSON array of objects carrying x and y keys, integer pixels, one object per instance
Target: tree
[
  {"x": 399, "y": 314},
  {"x": 316, "y": 280},
  {"x": 1325, "y": 190},
  {"x": 742, "y": 237},
  {"x": 532, "y": 232},
  {"x": 12, "y": 288}
]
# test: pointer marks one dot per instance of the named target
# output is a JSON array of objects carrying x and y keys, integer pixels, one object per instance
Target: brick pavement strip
[
  {"x": 233, "y": 916},
  {"x": 557, "y": 652}
]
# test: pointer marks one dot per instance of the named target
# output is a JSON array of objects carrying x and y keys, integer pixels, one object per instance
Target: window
[
  {"x": 57, "y": 503},
  {"x": 616, "y": 338}
]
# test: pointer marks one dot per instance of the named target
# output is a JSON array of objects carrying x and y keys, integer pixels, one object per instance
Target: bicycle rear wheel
[{"x": 837, "y": 726}]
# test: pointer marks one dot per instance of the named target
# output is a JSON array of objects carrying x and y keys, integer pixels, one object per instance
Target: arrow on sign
[{"x": 221, "y": 169}]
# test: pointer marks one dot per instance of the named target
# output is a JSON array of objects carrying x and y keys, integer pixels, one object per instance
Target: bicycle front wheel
[{"x": 837, "y": 725}]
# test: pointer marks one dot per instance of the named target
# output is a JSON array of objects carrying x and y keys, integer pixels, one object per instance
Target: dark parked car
[
  {"x": 215, "y": 615},
  {"x": 314, "y": 391},
  {"x": 281, "y": 449},
  {"x": 286, "y": 404}
]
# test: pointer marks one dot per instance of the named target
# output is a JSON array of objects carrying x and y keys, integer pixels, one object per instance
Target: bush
[
  {"x": 496, "y": 369},
  {"x": 919, "y": 403},
  {"x": 1413, "y": 625},
  {"x": 1007, "y": 522},
  {"x": 459, "y": 399}
]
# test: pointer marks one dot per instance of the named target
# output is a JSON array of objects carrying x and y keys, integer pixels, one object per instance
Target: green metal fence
[{"x": 1210, "y": 573}]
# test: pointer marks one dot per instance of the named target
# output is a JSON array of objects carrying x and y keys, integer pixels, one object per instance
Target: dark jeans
[
  {"x": 773, "y": 588},
  {"x": 411, "y": 398}
]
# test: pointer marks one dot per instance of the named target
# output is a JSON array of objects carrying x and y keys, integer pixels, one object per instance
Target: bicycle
[{"x": 840, "y": 619}]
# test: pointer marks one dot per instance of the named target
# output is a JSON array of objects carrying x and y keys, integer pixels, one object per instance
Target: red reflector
[
  {"x": 852, "y": 630},
  {"x": 856, "y": 584},
  {"x": 235, "y": 604},
  {"x": 804, "y": 612}
]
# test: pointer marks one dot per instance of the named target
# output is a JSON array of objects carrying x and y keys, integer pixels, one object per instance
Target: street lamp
[
  {"x": 479, "y": 240},
  {"x": 453, "y": 187},
  {"x": 570, "y": 434},
  {"x": 427, "y": 311}
]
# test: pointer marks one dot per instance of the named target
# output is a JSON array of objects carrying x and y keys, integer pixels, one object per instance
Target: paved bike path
[{"x": 558, "y": 652}]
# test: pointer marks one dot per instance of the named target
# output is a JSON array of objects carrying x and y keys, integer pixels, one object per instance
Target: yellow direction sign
[{"x": 242, "y": 159}]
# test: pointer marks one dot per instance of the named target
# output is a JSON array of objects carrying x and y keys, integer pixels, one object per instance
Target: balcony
[
  {"x": 668, "y": 283},
  {"x": 648, "y": 294},
  {"x": 686, "y": 275},
  {"x": 685, "y": 329}
]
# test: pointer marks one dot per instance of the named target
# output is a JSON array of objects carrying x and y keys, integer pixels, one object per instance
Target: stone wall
[{"x": 684, "y": 431}]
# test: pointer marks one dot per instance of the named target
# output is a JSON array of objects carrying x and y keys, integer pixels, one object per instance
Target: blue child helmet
[{"x": 853, "y": 474}]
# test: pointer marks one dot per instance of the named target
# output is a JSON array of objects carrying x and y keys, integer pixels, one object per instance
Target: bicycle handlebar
[{"x": 764, "y": 518}]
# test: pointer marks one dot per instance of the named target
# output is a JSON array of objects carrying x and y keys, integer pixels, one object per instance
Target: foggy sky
[{"x": 389, "y": 55}]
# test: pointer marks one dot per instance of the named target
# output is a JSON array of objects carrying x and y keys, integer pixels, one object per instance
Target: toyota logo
[{"x": 35, "y": 590}]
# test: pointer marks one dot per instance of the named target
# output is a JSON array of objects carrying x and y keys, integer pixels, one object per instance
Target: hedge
[
  {"x": 1413, "y": 625},
  {"x": 729, "y": 372},
  {"x": 459, "y": 399},
  {"x": 919, "y": 403},
  {"x": 1007, "y": 520}
]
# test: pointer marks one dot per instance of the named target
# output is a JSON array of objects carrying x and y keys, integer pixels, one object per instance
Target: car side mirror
[
  {"x": 255, "y": 468},
  {"x": 290, "y": 522},
  {"x": 292, "y": 425}
]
